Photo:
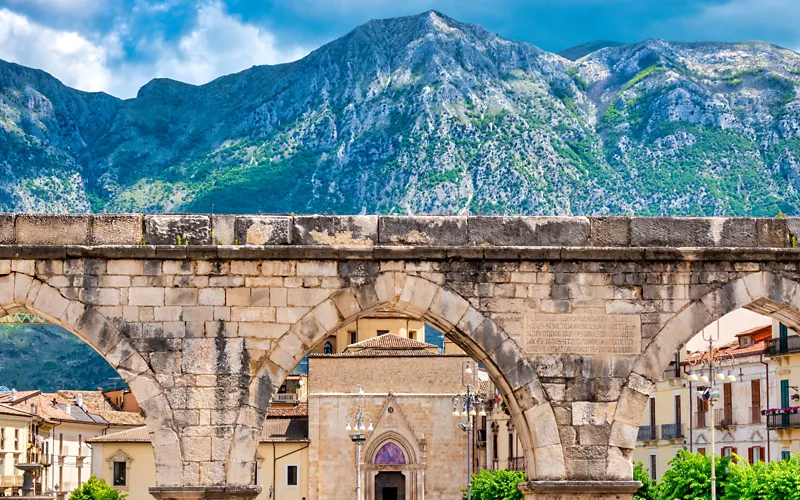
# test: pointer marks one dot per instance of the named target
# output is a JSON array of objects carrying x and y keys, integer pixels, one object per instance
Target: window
[
  {"x": 2, "y": 439},
  {"x": 412, "y": 334},
  {"x": 291, "y": 475},
  {"x": 701, "y": 451},
  {"x": 728, "y": 451},
  {"x": 755, "y": 454},
  {"x": 382, "y": 332},
  {"x": 328, "y": 349},
  {"x": 120, "y": 473},
  {"x": 653, "y": 463},
  {"x": 786, "y": 455},
  {"x": 353, "y": 337},
  {"x": 16, "y": 439}
]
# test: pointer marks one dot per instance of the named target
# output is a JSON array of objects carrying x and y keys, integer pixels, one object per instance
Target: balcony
[
  {"x": 723, "y": 418},
  {"x": 285, "y": 397},
  {"x": 671, "y": 431},
  {"x": 786, "y": 345},
  {"x": 647, "y": 433},
  {"x": 11, "y": 481},
  {"x": 516, "y": 464},
  {"x": 783, "y": 421},
  {"x": 671, "y": 373}
]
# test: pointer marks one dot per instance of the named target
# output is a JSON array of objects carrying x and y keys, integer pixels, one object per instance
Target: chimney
[
  {"x": 79, "y": 399},
  {"x": 13, "y": 395},
  {"x": 68, "y": 409}
]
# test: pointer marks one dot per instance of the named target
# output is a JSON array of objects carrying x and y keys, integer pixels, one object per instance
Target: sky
[{"x": 116, "y": 46}]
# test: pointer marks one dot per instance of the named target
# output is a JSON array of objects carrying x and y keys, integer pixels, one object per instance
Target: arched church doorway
[{"x": 390, "y": 485}]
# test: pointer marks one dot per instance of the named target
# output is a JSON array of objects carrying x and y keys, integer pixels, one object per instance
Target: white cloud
[
  {"x": 67, "y": 55},
  {"x": 216, "y": 45}
]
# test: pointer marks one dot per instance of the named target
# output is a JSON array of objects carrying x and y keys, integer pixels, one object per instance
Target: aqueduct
[{"x": 573, "y": 317}]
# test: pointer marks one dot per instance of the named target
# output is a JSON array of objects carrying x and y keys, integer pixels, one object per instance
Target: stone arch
[
  {"x": 412, "y": 455},
  {"x": 478, "y": 335},
  {"x": 21, "y": 290},
  {"x": 764, "y": 292}
]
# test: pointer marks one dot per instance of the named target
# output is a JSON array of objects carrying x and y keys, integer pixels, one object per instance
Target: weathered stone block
[
  {"x": 168, "y": 229},
  {"x": 116, "y": 230},
  {"x": 263, "y": 230},
  {"x": 7, "y": 233},
  {"x": 610, "y": 231},
  {"x": 529, "y": 231},
  {"x": 693, "y": 232},
  {"x": 423, "y": 231},
  {"x": 32, "y": 229},
  {"x": 589, "y": 413},
  {"x": 223, "y": 229},
  {"x": 772, "y": 233},
  {"x": 357, "y": 230}
]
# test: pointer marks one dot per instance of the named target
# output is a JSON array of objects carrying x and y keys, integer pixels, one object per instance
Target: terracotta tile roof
[
  {"x": 10, "y": 410},
  {"x": 5, "y": 397},
  {"x": 389, "y": 341},
  {"x": 298, "y": 410},
  {"x": 121, "y": 417},
  {"x": 756, "y": 329},
  {"x": 54, "y": 407},
  {"x": 135, "y": 435},
  {"x": 285, "y": 430}
]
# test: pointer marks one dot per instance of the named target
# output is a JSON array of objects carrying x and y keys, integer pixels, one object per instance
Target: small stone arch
[
  {"x": 21, "y": 290},
  {"x": 410, "y": 452},
  {"x": 764, "y": 292},
  {"x": 420, "y": 298}
]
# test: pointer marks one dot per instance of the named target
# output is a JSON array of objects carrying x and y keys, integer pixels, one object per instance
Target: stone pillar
[{"x": 579, "y": 490}]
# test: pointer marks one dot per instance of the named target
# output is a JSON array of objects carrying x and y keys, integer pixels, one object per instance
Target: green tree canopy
[
  {"x": 496, "y": 485},
  {"x": 96, "y": 489},
  {"x": 689, "y": 477}
]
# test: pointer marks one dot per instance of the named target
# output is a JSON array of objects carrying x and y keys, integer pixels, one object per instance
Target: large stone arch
[
  {"x": 449, "y": 312},
  {"x": 764, "y": 292},
  {"x": 21, "y": 290}
]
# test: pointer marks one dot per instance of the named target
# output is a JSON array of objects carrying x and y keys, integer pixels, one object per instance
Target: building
[
  {"x": 415, "y": 448},
  {"x": 783, "y": 420},
  {"x": 375, "y": 324},
  {"x": 125, "y": 459},
  {"x": 17, "y": 445},
  {"x": 676, "y": 418},
  {"x": 60, "y": 425}
]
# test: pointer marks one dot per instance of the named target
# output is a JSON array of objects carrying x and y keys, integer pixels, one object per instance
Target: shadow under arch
[
  {"x": 20, "y": 291},
  {"x": 763, "y": 292},
  {"x": 419, "y": 298}
]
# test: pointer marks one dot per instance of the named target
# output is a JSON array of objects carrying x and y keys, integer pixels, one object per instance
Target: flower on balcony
[
  {"x": 795, "y": 397},
  {"x": 791, "y": 410}
]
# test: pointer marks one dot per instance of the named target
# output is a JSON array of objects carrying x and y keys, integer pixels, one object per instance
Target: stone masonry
[{"x": 204, "y": 316}]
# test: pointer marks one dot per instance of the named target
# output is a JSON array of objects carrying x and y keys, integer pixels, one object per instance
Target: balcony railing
[
  {"x": 516, "y": 464},
  {"x": 755, "y": 415},
  {"x": 671, "y": 431},
  {"x": 701, "y": 419},
  {"x": 783, "y": 421},
  {"x": 724, "y": 418},
  {"x": 786, "y": 345},
  {"x": 647, "y": 433},
  {"x": 671, "y": 373},
  {"x": 285, "y": 397},
  {"x": 10, "y": 481}
]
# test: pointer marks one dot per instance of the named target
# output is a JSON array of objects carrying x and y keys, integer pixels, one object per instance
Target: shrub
[
  {"x": 96, "y": 489},
  {"x": 496, "y": 485}
]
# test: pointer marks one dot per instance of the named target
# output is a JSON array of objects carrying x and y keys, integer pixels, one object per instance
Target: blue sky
[{"x": 119, "y": 45}]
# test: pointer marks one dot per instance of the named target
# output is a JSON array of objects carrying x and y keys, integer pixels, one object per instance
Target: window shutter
[
  {"x": 762, "y": 454},
  {"x": 701, "y": 451},
  {"x": 750, "y": 454}
]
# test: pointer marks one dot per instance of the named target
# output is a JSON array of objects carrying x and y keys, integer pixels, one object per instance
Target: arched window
[
  {"x": 328, "y": 349},
  {"x": 390, "y": 454}
]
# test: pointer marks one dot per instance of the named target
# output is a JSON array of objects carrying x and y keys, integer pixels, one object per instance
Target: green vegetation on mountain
[{"x": 423, "y": 114}]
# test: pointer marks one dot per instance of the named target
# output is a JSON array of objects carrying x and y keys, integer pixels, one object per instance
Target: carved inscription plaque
[{"x": 583, "y": 331}]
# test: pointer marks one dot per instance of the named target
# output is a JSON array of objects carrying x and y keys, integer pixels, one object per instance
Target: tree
[
  {"x": 496, "y": 485},
  {"x": 777, "y": 480},
  {"x": 689, "y": 477},
  {"x": 648, "y": 491},
  {"x": 96, "y": 489}
]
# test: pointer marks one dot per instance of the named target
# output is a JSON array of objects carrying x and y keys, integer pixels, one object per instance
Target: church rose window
[{"x": 390, "y": 454}]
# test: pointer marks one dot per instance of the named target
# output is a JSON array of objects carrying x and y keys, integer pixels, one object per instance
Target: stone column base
[
  {"x": 579, "y": 490},
  {"x": 205, "y": 492}
]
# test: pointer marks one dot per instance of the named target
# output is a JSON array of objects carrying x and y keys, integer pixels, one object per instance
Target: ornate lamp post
[
  {"x": 360, "y": 422},
  {"x": 712, "y": 371},
  {"x": 469, "y": 402}
]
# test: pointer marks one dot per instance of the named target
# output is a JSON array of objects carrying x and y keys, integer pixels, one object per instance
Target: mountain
[
  {"x": 584, "y": 49},
  {"x": 423, "y": 114},
  {"x": 49, "y": 358}
]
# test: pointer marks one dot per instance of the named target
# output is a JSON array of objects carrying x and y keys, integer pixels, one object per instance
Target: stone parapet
[
  {"x": 370, "y": 231},
  {"x": 205, "y": 492}
]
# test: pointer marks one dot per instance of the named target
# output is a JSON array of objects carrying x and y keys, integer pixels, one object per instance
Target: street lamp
[
  {"x": 469, "y": 402},
  {"x": 359, "y": 419},
  {"x": 711, "y": 370}
]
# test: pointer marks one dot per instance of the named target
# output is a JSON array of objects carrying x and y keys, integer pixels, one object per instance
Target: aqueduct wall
[{"x": 573, "y": 317}]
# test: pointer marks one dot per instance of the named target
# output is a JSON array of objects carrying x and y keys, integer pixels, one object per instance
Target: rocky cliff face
[{"x": 422, "y": 114}]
